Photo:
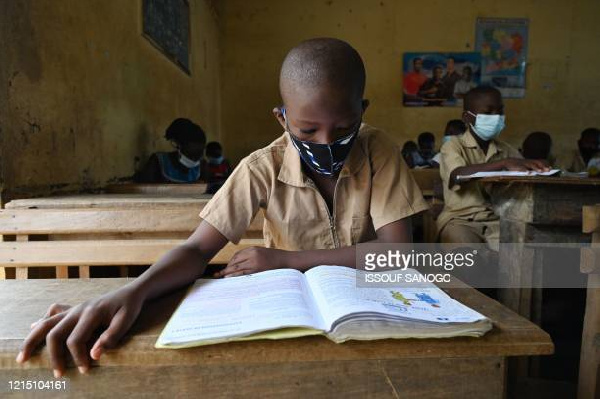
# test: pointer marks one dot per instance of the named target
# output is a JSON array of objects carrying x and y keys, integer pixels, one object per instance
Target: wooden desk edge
[{"x": 523, "y": 339}]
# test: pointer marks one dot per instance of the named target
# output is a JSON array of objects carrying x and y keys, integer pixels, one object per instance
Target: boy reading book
[
  {"x": 327, "y": 183},
  {"x": 468, "y": 216}
]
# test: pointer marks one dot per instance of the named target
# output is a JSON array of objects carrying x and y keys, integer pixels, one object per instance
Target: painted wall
[
  {"x": 563, "y": 76},
  {"x": 85, "y": 98}
]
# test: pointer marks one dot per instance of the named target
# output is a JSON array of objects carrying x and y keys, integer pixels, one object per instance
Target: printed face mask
[
  {"x": 188, "y": 163},
  {"x": 488, "y": 127},
  {"x": 325, "y": 159}
]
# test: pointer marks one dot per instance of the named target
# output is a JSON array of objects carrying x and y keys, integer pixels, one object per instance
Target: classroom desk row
[{"x": 312, "y": 367}]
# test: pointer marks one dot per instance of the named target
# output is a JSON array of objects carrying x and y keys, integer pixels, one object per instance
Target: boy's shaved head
[
  {"x": 322, "y": 63},
  {"x": 476, "y": 95}
]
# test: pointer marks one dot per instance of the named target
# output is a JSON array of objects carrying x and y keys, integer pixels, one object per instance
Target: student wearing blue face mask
[
  {"x": 468, "y": 216},
  {"x": 185, "y": 164}
]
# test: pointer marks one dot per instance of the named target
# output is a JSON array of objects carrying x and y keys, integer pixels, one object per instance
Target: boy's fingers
[
  {"x": 79, "y": 337},
  {"x": 120, "y": 323},
  {"x": 240, "y": 273},
  {"x": 56, "y": 308},
  {"x": 234, "y": 268},
  {"x": 38, "y": 335},
  {"x": 55, "y": 341}
]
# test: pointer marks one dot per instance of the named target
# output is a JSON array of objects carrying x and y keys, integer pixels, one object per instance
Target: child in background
[
  {"x": 454, "y": 127},
  {"x": 217, "y": 167},
  {"x": 426, "y": 141},
  {"x": 184, "y": 165},
  {"x": 538, "y": 145},
  {"x": 410, "y": 154},
  {"x": 327, "y": 183},
  {"x": 588, "y": 149},
  {"x": 468, "y": 216}
]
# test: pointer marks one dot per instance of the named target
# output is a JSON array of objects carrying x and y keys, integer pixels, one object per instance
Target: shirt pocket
[{"x": 362, "y": 229}]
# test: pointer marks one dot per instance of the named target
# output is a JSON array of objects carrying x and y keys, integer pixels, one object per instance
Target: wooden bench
[
  {"x": 119, "y": 201},
  {"x": 311, "y": 367},
  {"x": 589, "y": 362},
  {"x": 163, "y": 189},
  {"x": 98, "y": 237}
]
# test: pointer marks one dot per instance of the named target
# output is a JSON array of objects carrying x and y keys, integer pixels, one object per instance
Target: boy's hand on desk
[
  {"x": 254, "y": 260},
  {"x": 65, "y": 328},
  {"x": 524, "y": 165}
]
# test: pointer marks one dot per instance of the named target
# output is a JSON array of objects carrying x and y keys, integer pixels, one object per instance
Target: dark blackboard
[{"x": 167, "y": 25}]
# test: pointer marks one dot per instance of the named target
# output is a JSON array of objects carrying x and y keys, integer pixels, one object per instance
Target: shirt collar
[
  {"x": 291, "y": 168},
  {"x": 469, "y": 141}
]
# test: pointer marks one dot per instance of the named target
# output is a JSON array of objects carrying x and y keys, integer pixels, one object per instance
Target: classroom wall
[
  {"x": 563, "y": 78},
  {"x": 85, "y": 98}
]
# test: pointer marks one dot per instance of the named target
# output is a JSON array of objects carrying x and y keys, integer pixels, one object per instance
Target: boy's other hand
[
  {"x": 254, "y": 260},
  {"x": 72, "y": 328},
  {"x": 524, "y": 165}
]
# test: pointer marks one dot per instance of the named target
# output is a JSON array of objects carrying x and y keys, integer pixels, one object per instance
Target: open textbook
[
  {"x": 325, "y": 300},
  {"x": 503, "y": 173}
]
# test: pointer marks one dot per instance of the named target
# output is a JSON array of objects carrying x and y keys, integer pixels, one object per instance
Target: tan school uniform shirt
[
  {"x": 374, "y": 188},
  {"x": 468, "y": 200}
]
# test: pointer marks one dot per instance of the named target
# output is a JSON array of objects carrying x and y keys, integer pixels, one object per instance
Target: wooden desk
[
  {"x": 162, "y": 189},
  {"x": 306, "y": 367},
  {"x": 589, "y": 360},
  {"x": 124, "y": 201},
  {"x": 537, "y": 210}
]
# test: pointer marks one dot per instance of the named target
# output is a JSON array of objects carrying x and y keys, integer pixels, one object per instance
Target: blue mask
[
  {"x": 488, "y": 127},
  {"x": 215, "y": 160},
  {"x": 446, "y": 139},
  {"x": 325, "y": 159}
]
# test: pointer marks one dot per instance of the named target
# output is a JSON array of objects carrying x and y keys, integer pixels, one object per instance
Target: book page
[
  {"x": 337, "y": 296},
  {"x": 503, "y": 173},
  {"x": 215, "y": 309}
]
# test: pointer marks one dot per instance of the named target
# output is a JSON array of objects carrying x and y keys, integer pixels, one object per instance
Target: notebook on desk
[
  {"x": 506, "y": 173},
  {"x": 325, "y": 300}
]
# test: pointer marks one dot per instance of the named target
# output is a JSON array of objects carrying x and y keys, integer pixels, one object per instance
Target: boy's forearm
[
  {"x": 177, "y": 268},
  {"x": 482, "y": 167},
  {"x": 304, "y": 260}
]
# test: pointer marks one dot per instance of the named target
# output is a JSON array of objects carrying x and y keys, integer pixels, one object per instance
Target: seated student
[
  {"x": 328, "y": 182},
  {"x": 184, "y": 165},
  {"x": 412, "y": 157},
  {"x": 217, "y": 167},
  {"x": 538, "y": 145},
  {"x": 454, "y": 127},
  {"x": 468, "y": 216},
  {"x": 426, "y": 141},
  {"x": 588, "y": 148}
]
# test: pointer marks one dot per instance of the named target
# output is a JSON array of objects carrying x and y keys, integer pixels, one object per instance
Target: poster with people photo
[
  {"x": 503, "y": 44},
  {"x": 439, "y": 79}
]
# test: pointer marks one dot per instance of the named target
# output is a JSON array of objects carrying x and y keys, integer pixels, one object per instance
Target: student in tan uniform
[
  {"x": 468, "y": 216},
  {"x": 588, "y": 148},
  {"x": 327, "y": 183}
]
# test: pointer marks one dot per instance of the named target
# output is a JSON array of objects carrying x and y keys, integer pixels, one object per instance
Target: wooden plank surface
[
  {"x": 163, "y": 189},
  {"x": 25, "y": 301},
  {"x": 557, "y": 180},
  {"x": 405, "y": 378},
  {"x": 100, "y": 253},
  {"x": 104, "y": 221},
  {"x": 111, "y": 201},
  {"x": 536, "y": 202},
  {"x": 302, "y": 367}
]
